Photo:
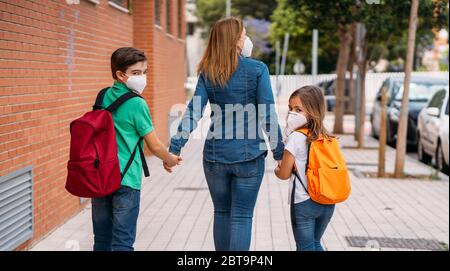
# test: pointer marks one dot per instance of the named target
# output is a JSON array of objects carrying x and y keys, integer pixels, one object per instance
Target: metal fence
[{"x": 289, "y": 83}]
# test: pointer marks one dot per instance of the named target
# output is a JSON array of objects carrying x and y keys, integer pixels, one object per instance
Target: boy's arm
[
  {"x": 284, "y": 170},
  {"x": 159, "y": 150}
]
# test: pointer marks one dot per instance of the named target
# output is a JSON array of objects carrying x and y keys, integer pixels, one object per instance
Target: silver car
[{"x": 432, "y": 131}]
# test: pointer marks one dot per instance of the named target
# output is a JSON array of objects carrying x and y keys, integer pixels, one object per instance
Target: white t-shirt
[{"x": 296, "y": 144}]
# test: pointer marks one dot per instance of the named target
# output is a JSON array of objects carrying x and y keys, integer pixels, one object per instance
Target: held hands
[{"x": 172, "y": 161}]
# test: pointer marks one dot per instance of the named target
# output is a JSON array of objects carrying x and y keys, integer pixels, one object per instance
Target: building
[
  {"x": 54, "y": 58},
  {"x": 195, "y": 42}
]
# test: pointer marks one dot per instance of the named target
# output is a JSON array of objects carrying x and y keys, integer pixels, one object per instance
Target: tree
[
  {"x": 439, "y": 17},
  {"x": 333, "y": 17},
  {"x": 386, "y": 24},
  {"x": 256, "y": 17},
  {"x": 210, "y": 11},
  {"x": 401, "y": 134}
]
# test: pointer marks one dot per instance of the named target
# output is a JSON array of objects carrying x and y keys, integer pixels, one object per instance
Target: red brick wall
[
  {"x": 169, "y": 69},
  {"x": 54, "y": 58}
]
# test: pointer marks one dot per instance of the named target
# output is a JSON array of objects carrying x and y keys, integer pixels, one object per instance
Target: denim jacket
[{"x": 239, "y": 112}]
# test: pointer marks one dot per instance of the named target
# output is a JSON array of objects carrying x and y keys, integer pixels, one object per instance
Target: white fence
[{"x": 289, "y": 83}]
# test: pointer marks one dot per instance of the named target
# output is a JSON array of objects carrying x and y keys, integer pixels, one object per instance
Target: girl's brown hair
[
  {"x": 220, "y": 59},
  {"x": 313, "y": 103}
]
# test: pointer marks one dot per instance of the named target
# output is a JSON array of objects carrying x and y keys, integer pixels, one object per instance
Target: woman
[{"x": 235, "y": 150}]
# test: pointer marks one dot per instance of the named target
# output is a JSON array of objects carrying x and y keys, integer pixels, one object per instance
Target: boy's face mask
[{"x": 137, "y": 82}]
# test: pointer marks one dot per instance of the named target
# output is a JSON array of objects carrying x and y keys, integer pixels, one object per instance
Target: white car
[{"x": 432, "y": 131}]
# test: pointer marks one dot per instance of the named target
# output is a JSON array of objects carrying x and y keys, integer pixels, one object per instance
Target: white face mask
[
  {"x": 247, "y": 48},
  {"x": 294, "y": 121},
  {"x": 137, "y": 82}
]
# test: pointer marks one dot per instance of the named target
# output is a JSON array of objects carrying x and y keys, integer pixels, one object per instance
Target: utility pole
[
  {"x": 315, "y": 41},
  {"x": 285, "y": 49},
  {"x": 228, "y": 8},
  {"x": 277, "y": 66},
  {"x": 360, "y": 34},
  {"x": 382, "y": 137}
]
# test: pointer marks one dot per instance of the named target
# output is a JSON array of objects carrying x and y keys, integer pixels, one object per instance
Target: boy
[{"x": 115, "y": 216}]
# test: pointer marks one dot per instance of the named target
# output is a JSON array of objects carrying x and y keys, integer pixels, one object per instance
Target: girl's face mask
[{"x": 294, "y": 121}]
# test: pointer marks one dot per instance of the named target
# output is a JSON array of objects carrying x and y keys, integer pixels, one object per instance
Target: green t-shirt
[{"x": 132, "y": 120}]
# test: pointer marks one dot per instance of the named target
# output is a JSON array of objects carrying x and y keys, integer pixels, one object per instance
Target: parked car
[
  {"x": 421, "y": 89},
  {"x": 432, "y": 131},
  {"x": 328, "y": 88}
]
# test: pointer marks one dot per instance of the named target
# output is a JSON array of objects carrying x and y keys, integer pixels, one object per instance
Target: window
[
  {"x": 157, "y": 7},
  {"x": 446, "y": 109},
  {"x": 190, "y": 29},
  {"x": 180, "y": 19},
  {"x": 419, "y": 92},
  {"x": 438, "y": 99},
  {"x": 122, "y": 5},
  {"x": 169, "y": 16}
]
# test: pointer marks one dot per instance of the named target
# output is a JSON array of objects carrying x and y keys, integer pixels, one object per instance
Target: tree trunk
[
  {"x": 403, "y": 119},
  {"x": 345, "y": 34}
]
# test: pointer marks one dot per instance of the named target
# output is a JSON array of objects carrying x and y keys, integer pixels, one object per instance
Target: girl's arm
[{"x": 284, "y": 170}]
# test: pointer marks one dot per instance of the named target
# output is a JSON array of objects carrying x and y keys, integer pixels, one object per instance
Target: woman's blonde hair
[
  {"x": 313, "y": 103},
  {"x": 220, "y": 59}
]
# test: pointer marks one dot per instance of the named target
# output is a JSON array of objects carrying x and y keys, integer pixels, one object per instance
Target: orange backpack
[{"x": 327, "y": 176}]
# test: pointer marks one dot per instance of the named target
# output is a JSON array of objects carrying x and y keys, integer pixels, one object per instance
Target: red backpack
[{"x": 93, "y": 169}]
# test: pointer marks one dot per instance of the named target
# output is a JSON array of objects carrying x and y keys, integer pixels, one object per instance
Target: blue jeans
[
  {"x": 234, "y": 189},
  {"x": 309, "y": 224},
  {"x": 114, "y": 219}
]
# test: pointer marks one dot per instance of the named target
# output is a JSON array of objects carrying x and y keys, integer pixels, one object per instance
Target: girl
[{"x": 309, "y": 219}]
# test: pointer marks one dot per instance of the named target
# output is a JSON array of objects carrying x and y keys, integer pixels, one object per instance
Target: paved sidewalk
[{"x": 177, "y": 213}]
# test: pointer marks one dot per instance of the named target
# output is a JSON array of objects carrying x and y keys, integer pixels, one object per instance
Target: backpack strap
[
  {"x": 300, "y": 181},
  {"x": 125, "y": 97},
  {"x": 144, "y": 163},
  {"x": 304, "y": 131},
  {"x": 112, "y": 107},
  {"x": 99, "y": 99}
]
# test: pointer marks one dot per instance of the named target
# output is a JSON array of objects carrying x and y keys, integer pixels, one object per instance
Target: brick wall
[
  {"x": 169, "y": 64},
  {"x": 54, "y": 58}
]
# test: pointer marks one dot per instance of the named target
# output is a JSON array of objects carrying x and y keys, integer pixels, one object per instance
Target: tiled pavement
[{"x": 176, "y": 210}]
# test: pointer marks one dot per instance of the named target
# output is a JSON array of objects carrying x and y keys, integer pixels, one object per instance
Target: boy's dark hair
[{"x": 124, "y": 57}]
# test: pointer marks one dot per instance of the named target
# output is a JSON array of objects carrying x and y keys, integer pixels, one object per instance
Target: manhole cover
[
  {"x": 386, "y": 242},
  {"x": 190, "y": 188}
]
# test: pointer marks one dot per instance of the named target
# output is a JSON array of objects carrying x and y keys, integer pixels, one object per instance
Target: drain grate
[{"x": 386, "y": 242}]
